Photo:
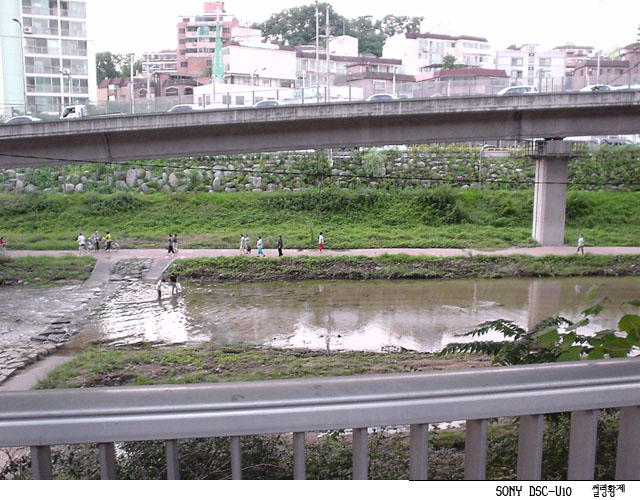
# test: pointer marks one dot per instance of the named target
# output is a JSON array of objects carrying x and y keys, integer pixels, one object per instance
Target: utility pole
[
  {"x": 327, "y": 38},
  {"x": 317, "y": 53},
  {"x": 132, "y": 93}
]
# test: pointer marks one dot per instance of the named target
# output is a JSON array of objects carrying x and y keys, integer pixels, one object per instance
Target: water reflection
[{"x": 343, "y": 315}]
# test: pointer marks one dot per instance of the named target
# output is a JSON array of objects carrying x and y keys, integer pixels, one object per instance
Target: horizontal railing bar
[
  {"x": 106, "y": 401},
  {"x": 264, "y": 409}
]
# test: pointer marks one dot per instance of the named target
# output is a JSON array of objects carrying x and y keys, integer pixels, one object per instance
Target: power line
[{"x": 323, "y": 175}]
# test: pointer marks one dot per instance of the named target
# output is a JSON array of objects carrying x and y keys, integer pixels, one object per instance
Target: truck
[{"x": 73, "y": 111}]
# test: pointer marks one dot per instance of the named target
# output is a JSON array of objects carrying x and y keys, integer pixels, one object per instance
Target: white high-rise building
[{"x": 45, "y": 56}]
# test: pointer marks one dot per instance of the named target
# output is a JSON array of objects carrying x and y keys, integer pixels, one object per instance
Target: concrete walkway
[{"x": 154, "y": 253}]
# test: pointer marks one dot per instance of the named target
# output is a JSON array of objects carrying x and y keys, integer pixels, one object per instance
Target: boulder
[
  {"x": 132, "y": 175},
  {"x": 79, "y": 188},
  {"x": 19, "y": 186},
  {"x": 173, "y": 180}
]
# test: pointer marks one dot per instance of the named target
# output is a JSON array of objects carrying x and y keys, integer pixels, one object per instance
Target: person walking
[
  {"x": 107, "y": 241},
  {"x": 279, "y": 246},
  {"x": 95, "y": 239},
  {"x": 170, "y": 245},
  {"x": 3, "y": 247},
  {"x": 241, "y": 244},
  {"x": 580, "y": 245},
  {"x": 174, "y": 241},
  {"x": 259, "y": 246},
  {"x": 81, "y": 241},
  {"x": 321, "y": 242},
  {"x": 247, "y": 244}
]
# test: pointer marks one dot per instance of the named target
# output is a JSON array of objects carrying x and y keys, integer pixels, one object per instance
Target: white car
[
  {"x": 182, "y": 108},
  {"x": 267, "y": 103},
  {"x": 598, "y": 87},
  {"x": 19, "y": 120},
  {"x": 380, "y": 97},
  {"x": 518, "y": 89}
]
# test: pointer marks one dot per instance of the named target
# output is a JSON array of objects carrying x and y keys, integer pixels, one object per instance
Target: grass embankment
[
  {"x": 98, "y": 367},
  {"x": 386, "y": 266},
  {"x": 270, "y": 457},
  {"x": 420, "y": 218},
  {"x": 45, "y": 271}
]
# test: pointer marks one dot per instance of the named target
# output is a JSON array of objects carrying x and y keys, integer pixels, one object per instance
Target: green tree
[
  {"x": 297, "y": 25},
  {"x": 394, "y": 25},
  {"x": 369, "y": 34},
  {"x": 107, "y": 65},
  {"x": 449, "y": 62}
]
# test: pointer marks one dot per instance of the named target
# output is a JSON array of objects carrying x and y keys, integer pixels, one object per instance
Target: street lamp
[
  {"x": 393, "y": 87},
  {"x": 66, "y": 73},
  {"x": 24, "y": 70},
  {"x": 255, "y": 72}
]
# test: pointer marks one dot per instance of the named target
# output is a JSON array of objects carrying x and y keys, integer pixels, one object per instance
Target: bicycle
[{"x": 90, "y": 245}]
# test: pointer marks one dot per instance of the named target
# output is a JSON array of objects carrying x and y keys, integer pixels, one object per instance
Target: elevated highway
[
  {"x": 245, "y": 130},
  {"x": 550, "y": 117}
]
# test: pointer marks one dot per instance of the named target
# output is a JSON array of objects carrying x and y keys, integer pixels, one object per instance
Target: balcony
[{"x": 40, "y": 419}]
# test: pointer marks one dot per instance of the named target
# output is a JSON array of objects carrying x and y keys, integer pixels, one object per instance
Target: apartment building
[
  {"x": 165, "y": 61},
  {"x": 528, "y": 65},
  {"x": 46, "y": 60},
  {"x": 575, "y": 55},
  {"x": 420, "y": 52},
  {"x": 197, "y": 38}
]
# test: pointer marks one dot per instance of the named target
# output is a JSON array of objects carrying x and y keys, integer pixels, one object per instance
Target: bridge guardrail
[{"x": 40, "y": 419}]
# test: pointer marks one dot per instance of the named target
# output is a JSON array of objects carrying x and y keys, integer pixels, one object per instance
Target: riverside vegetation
[{"x": 370, "y": 218}]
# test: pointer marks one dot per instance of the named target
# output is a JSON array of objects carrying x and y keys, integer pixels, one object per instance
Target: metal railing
[{"x": 40, "y": 419}]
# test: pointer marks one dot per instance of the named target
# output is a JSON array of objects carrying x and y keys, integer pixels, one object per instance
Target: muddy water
[{"x": 343, "y": 315}]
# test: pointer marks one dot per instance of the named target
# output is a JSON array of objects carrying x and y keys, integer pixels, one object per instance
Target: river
[{"x": 379, "y": 315}]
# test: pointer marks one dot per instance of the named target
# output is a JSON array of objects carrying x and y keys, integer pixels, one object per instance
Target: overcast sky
[{"x": 124, "y": 26}]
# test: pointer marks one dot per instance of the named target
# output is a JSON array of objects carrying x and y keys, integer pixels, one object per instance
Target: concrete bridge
[{"x": 245, "y": 130}]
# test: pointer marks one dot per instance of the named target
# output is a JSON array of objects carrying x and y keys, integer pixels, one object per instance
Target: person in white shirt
[
  {"x": 81, "y": 241},
  {"x": 321, "y": 242}
]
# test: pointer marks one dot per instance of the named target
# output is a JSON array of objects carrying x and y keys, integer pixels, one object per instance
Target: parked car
[
  {"x": 380, "y": 97},
  {"x": 18, "y": 120},
  {"x": 182, "y": 108},
  {"x": 518, "y": 89},
  {"x": 267, "y": 103},
  {"x": 598, "y": 87}
]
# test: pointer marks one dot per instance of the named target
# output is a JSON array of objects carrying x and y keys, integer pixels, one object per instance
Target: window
[
  {"x": 545, "y": 61},
  {"x": 41, "y": 65},
  {"x": 516, "y": 73},
  {"x": 171, "y": 91},
  {"x": 183, "y": 65},
  {"x": 43, "y": 85},
  {"x": 379, "y": 85},
  {"x": 516, "y": 61},
  {"x": 239, "y": 100},
  {"x": 74, "y": 48},
  {"x": 42, "y": 46},
  {"x": 188, "y": 91},
  {"x": 76, "y": 66},
  {"x": 73, "y": 28},
  {"x": 73, "y": 9}
]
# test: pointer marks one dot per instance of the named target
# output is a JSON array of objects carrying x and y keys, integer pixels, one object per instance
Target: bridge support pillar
[{"x": 550, "y": 197}]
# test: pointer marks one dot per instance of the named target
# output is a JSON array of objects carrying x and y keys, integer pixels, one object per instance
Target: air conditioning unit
[{"x": 28, "y": 30}]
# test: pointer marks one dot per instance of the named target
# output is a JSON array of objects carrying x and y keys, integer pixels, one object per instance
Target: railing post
[
  {"x": 41, "y": 462},
  {"x": 628, "y": 455},
  {"x": 419, "y": 452},
  {"x": 236, "y": 458},
  {"x": 107, "y": 453},
  {"x": 173, "y": 466},
  {"x": 475, "y": 450},
  {"x": 530, "y": 447},
  {"x": 582, "y": 445},
  {"x": 299, "y": 466},
  {"x": 360, "y": 453}
]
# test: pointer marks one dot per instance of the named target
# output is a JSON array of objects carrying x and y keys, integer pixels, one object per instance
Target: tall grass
[{"x": 441, "y": 217}]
